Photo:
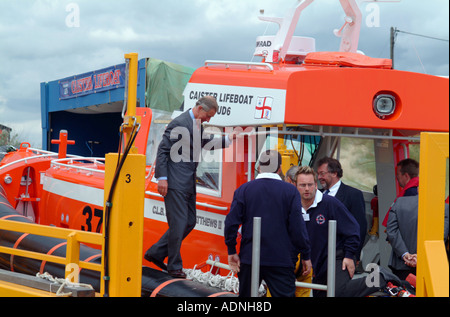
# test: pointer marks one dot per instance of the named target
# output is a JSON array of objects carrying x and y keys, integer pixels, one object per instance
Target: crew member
[{"x": 283, "y": 231}]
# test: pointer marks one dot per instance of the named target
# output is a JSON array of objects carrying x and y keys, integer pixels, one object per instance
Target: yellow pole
[
  {"x": 132, "y": 83},
  {"x": 131, "y": 119},
  {"x": 124, "y": 201},
  {"x": 73, "y": 257},
  {"x": 432, "y": 263},
  {"x": 126, "y": 225}
]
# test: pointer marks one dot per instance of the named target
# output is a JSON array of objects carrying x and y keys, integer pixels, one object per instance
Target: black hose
[{"x": 108, "y": 203}]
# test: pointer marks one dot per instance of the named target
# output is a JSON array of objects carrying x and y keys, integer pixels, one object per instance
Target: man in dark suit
[
  {"x": 330, "y": 173},
  {"x": 283, "y": 230},
  {"x": 176, "y": 165}
]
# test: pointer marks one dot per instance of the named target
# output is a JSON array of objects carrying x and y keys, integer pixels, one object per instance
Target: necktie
[{"x": 326, "y": 192}]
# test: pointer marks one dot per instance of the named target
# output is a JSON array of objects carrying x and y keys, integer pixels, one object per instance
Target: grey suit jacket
[
  {"x": 179, "y": 152},
  {"x": 402, "y": 230}
]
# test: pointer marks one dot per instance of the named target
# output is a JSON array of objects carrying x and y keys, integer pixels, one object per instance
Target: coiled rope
[
  {"x": 229, "y": 283},
  {"x": 62, "y": 282}
]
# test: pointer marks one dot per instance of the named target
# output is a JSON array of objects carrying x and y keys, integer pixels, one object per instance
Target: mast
[{"x": 393, "y": 33}]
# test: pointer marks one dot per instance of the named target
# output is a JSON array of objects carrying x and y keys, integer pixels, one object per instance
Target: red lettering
[
  {"x": 73, "y": 86},
  {"x": 89, "y": 84},
  {"x": 117, "y": 77},
  {"x": 99, "y": 81}
]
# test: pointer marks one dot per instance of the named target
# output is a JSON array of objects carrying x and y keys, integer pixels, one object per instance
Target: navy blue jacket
[
  {"x": 283, "y": 230},
  {"x": 353, "y": 199},
  {"x": 347, "y": 236}
]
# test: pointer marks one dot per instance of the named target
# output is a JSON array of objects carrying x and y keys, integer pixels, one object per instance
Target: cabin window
[
  {"x": 357, "y": 157},
  {"x": 299, "y": 149},
  {"x": 209, "y": 170},
  {"x": 304, "y": 147},
  {"x": 160, "y": 119},
  {"x": 209, "y": 173}
]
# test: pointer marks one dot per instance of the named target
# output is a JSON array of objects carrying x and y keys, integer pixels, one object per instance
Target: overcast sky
[{"x": 45, "y": 40}]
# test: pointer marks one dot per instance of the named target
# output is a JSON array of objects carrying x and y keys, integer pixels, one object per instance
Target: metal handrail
[
  {"x": 26, "y": 159},
  {"x": 44, "y": 154},
  {"x": 331, "y": 274},
  {"x": 94, "y": 159},
  {"x": 331, "y": 270},
  {"x": 248, "y": 64},
  {"x": 331, "y": 267},
  {"x": 256, "y": 256}
]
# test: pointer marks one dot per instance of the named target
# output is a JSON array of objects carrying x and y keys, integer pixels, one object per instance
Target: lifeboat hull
[
  {"x": 155, "y": 283},
  {"x": 73, "y": 200}
]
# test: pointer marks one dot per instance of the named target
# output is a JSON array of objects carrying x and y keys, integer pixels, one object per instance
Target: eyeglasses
[
  {"x": 322, "y": 173},
  {"x": 306, "y": 185}
]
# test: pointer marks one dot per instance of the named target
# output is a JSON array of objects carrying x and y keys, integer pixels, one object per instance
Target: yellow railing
[
  {"x": 73, "y": 238},
  {"x": 125, "y": 238},
  {"x": 432, "y": 262},
  {"x": 71, "y": 260}
]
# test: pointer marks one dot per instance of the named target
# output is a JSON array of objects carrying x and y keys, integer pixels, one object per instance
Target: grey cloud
[{"x": 36, "y": 45}]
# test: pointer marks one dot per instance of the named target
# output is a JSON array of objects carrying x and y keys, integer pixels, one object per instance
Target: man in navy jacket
[
  {"x": 283, "y": 231},
  {"x": 317, "y": 210}
]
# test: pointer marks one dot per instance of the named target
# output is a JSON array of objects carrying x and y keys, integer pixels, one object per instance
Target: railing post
[
  {"x": 72, "y": 257},
  {"x": 256, "y": 252},
  {"x": 432, "y": 262},
  {"x": 331, "y": 270},
  {"x": 126, "y": 226}
]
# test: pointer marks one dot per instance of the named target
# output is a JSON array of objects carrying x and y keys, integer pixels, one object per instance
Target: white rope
[
  {"x": 63, "y": 283},
  {"x": 228, "y": 283}
]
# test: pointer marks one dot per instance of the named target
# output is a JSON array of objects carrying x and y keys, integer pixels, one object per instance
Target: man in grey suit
[
  {"x": 402, "y": 235},
  {"x": 176, "y": 165}
]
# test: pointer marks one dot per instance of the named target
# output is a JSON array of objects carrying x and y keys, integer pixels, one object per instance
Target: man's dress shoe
[
  {"x": 158, "y": 263},
  {"x": 177, "y": 273}
]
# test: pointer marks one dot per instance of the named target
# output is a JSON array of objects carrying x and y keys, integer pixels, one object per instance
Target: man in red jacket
[{"x": 407, "y": 175}]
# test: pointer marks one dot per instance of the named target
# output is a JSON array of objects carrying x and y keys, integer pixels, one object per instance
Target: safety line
[
  {"x": 220, "y": 294},
  {"x": 11, "y": 261},
  {"x": 10, "y": 216},
  {"x": 50, "y": 253},
  {"x": 161, "y": 286},
  {"x": 89, "y": 259}
]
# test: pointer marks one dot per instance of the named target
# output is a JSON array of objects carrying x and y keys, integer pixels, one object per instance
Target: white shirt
[
  {"x": 333, "y": 190},
  {"x": 269, "y": 175},
  {"x": 317, "y": 200}
]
